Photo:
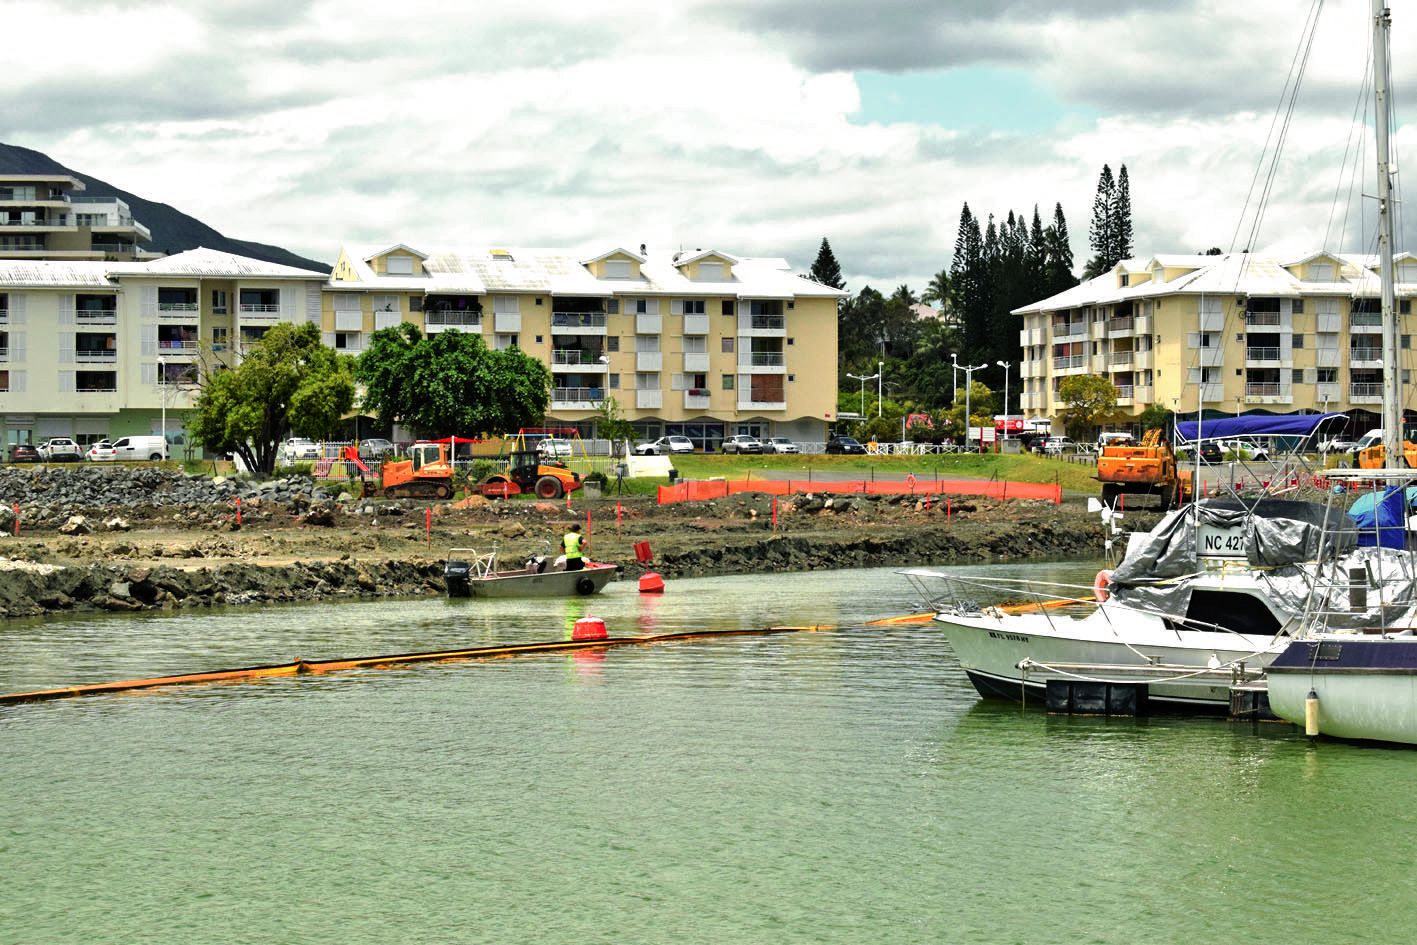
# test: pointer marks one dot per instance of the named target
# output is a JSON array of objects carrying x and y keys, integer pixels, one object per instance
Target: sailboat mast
[{"x": 1382, "y": 121}]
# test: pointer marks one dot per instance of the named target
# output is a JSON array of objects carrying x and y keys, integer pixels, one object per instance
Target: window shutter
[
  {"x": 149, "y": 374},
  {"x": 1193, "y": 376},
  {"x": 312, "y": 302},
  {"x": 287, "y": 303},
  {"x": 17, "y": 346},
  {"x": 17, "y": 308},
  {"x": 66, "y": 309},
  {"x": 327, "y": 338},
  {"x": 745, "y": 308},
  {"x": 147, "y": 303},
  {"x": 651, "y": 306},
  {"x": 66, "y": 350},
  {"x": 676, "y": 306},
  {"x": 65, "y": 380},
  {"x": 676, "y": 382},
  {"x": 1311, "y": 375},
  {"x": 18, "y": 381},
  {"x": 149, "y": 340}
]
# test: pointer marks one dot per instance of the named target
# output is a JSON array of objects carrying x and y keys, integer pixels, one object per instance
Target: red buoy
[
  {"x": 651, "y": 583},
  {"x": 589, "y": 628}
]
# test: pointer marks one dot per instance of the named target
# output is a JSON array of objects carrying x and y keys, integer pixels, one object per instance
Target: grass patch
[{"x": 1020, "y": 467}]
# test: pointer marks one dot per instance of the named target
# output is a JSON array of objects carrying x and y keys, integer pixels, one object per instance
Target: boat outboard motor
[
  {"x": 456, "y": 575},
  {"x": 536, "y": 564}
]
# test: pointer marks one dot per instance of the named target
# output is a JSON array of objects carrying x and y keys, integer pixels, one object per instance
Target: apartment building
[
  {"x": 99, "y": 349},
  {"x": 1230, "y": 333},
  {"x": 703, "y": 344},
  {"x": 46, "y": 216}
]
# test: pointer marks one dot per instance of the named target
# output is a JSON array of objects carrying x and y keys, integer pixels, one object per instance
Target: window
[
  {"x": 1298, "y": 375},
  {"x": 612, "y": 306},
  {"x": 1406, "y": 342},
  {"x": 792, "y": 341},
  {"x": 1404, "y": 306},
  {"x": 727, "y": 345},
  {"x": 617, "y": 269},
  {"x": 380, "y": 303},
  {"x": 695, "y": 344},
  {"x": 641, "y": 306},
  {"x": 219, "y": 339},
  {"x": 647, "y": 380},
  {"x": 711, "y": 272},
  {"x": 727, "y": 307},
  {"x": 791, "y": 378},
  {"x": 612, "y": 381},
  {"x": 415, "y": 303},
  {"x": 1297, "y": 306},
  {"x": 399, "y": 265},
  {"x": 693, "y": 306},
  {"x": 1328, "y": 375},
  {"x": 1320, "y": 272},
  {"x": 647, "y": 343},
  {"x": 728, "y": 382},
  {"x": 1298, "y": 341},
  {"x": 538, "y": 339},
  {"x": 503, "y": 342},
  {"x": 612, "y": 342}
]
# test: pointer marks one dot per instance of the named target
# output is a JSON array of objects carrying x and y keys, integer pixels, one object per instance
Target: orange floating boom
[{"x": 302, "y": 667}]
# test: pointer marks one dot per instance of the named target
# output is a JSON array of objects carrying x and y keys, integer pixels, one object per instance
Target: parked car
[
  {"x": 1210, "y": 453},
  {"x": 1337, "y": 445},
  {"x": 1057, "y": 445},
  {"x": 742, "y": 443},
  {"x": 375, "y": 448},
  {"x": 101, "y": 452},
  {"x": 845, "y": 445},
  {"x": 60, "y": 449},
  {"x": 553, "y": 448},
  {"x": 299, "y": 450},
  {"x": 779, "y": 444},
  {"x": 141, "y": 447},
  {"x": 1244, "y": 449},
  {"x": 665, "y": 445},
  {"x": 24, "y": 453}
]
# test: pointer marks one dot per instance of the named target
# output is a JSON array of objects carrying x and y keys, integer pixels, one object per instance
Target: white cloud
[{"x": 556, "y": 124}]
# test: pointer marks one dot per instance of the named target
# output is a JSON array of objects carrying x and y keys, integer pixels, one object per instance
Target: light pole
[
  {"x": 968, "y": 390},
  {"x": 162, "y": 393},
  {"x": 863, "y": 378},
  {"x": 1006, "y": 365},
  {"x": 880, "y": 374}
]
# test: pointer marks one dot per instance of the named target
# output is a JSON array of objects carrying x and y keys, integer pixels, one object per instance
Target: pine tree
[
  {"x": 967, "y": 281},
  {"x": 826, "y": 270},
  {"x": 1037, "y": 258},
  {"x": 1121, "y": 227},
  {"x": 1058, "y": 268},
  {"x": 1100, "y": 237}
]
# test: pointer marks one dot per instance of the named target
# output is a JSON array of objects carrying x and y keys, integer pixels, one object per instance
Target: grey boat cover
[{"x": 1280, "y": 535}]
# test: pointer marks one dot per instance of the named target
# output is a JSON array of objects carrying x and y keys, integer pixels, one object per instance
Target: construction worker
[{"x": 571, "y": 542}]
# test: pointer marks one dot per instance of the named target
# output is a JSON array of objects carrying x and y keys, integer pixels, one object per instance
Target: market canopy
[{"x": 1303, "y": 424}]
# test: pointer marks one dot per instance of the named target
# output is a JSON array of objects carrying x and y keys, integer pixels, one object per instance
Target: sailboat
[{"x": 1335, "y": 681}]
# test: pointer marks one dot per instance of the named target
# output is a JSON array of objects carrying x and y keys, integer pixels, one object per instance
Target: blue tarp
[
  {"x": 1258, "y": 425},
  {"x": 1381, "y": 520}
]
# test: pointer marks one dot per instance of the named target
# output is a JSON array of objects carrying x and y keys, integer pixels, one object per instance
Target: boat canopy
[{"x": 1303, "y": 424}]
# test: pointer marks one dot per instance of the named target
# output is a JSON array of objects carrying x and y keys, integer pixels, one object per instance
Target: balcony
[
  {"x": 696, "y": 362},
  {"x": 648, "y": 323},
  {"x": 1212, "y": 393},
  {"x": 1119, "y": 359},
  {"x": 762, "y": 326},
  {"x": 1365, "y": 322},
  {"x": 755, "y": 405},
  {"x": 696, "y": 324},
  {"x": 176, "y": 347},
  {"x": 180, "y": 311},
  {"x": 1365, "y": 357},
  {"x": 577, "y": 323},
  {"x": 258, "y": 312},
  {"x": 1070, "y": 362},
  {"x": 1259, "y": 355},
  {"x": 507, "y": 323},
  {"x": 1065, "y": 330},
  {"x": 436, "y": 322},
  {"x": 96, "y": 316},
  {"x": 1263, "y": 319},
  {"x": 1262, "y": 390},
  {"x": 762, "y": 362},
  {"x": 390, "y": 320},
  {"x": 576, "y": 398},
  {"x": 1120, "y": 326},
  {"x": 649, "y": 399},
  {"x": 696, "y": 398},
  {"x": 574, "y": 359},
  {"x": 349, "y": 320},
  {"x": 1124, "y": 395},
  {"x": 1326, "y": 357},
  {"x": 1364, "y": 393},
  {"x": 649, "y": 361}
]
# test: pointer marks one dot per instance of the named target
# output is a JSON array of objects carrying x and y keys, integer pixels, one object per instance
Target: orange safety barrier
[{"x": 702, "y": 490}]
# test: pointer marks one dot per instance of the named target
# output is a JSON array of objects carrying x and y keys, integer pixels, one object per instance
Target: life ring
[
  {"x": 910, "y": 481},
  {"x": 1100, "y": 585},
  {"x": 585, "y": 586}
]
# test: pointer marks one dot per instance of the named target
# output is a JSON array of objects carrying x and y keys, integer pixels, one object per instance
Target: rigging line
[
  {"x": 1274, "y": 120},
  {"x": 1355, "y": 131}
]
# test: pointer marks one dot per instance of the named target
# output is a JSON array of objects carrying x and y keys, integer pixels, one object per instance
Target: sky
[{"x": 756, "y": 127}]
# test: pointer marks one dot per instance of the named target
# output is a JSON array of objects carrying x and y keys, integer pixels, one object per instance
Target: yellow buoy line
[{"x": 300, "y": 667}]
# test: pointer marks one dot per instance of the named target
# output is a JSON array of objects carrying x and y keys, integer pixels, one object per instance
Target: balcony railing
[
  {"x": 1261, "y": 354},
  {"x": 767, "y": 323},
  {"x": 565, "y": 320},
  {"x": 177, "y": 306},
  {"x": 1262, "y": 390},
  {"x": 96, "y": 316},
  {"x": 176, "y": 346},
  {"x": 575, "y": 356},
  {"x": 761, "y": 358},
  {"x": 1124, "y": 392},
  {"x": 1069, "y": 330},
  {"x": 577, "y": 395},
  {"x": 440, "y": 320},
  {"x": 649, "y": 399},
  {"x": 1357, "y": 390},
  {"x": 696, "y": 398},
  {"x": 1065, "y": 362},
  {"x": 258, "y": 308},
  {"x": 1120, "y": 324},
  {"x": 4, "y": 354},
  {"x": 93, "y": 389},
  {"x": 696, "y": 324},
  {"x": 1365, "y": 320},
  {"x": 1119, "y": 358},
  {"x": 4, "y": 316},
  {"x": 1365, "y": 354},
  {"x": 1262, "y": 318}
]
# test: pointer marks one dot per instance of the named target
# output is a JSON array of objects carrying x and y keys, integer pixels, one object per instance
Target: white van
[
  {"x": 1371, "y": 438},
  {"x": 140, "y": 447}
]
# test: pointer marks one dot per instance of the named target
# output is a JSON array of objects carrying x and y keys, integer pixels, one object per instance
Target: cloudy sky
[{"x": 753, "y": 126}]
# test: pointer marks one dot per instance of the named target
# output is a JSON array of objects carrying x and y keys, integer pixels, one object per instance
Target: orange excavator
[
  {"x": 427, "y": 473},
  {"x": 1145, "y": 468}
]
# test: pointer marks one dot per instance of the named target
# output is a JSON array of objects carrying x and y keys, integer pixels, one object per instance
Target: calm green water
[{"x": 828, "y": 787}]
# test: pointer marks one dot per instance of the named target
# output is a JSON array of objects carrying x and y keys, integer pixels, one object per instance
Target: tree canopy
[
  {"x": 825, "y": 269},
  {"x": 451, "y": 383},
  {"x": 1090, "y": 397},
  {"x": 287, "y": 383},
  {"x": 1110, "y": 235}
]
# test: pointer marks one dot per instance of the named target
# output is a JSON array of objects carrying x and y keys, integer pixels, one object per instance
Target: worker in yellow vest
[{"x": 571, "y": 542}]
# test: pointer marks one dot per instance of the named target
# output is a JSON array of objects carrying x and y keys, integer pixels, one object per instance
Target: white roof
[
  {"x": 212, "y": 263},
  {"x": 562, "y": 272},
  {"x": 43, "y": 273}
]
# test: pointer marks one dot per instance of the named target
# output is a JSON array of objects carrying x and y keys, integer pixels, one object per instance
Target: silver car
[{"x": 779, "y": 444}]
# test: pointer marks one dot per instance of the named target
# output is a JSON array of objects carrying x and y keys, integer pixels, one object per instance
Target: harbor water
[{"x": 845, "y": 785}]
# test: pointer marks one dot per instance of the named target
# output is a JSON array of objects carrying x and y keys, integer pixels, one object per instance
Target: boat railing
[{"x": 482, "y": 565}]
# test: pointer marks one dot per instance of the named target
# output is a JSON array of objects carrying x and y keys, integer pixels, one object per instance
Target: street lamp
[
  {"x": 162, "y": 393},
  {"x": 880, "y": 373},
  {"x": 1006, "y": 365},
  {"x": 968, "y": 390},
  {"x": 863, "y": 378}
]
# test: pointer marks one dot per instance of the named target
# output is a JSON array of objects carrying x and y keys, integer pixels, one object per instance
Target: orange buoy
[
  {"x": 651, "y": 583},
  {"x": 1100, "y": 585},
  {"x": 589, "y": 628}
]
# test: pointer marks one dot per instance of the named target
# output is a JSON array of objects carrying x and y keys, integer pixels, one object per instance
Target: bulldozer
[
  {"x": 1145, "y": 468},
  {"x": 528, "y": 471},
  {"x": 426, "y": 474}
]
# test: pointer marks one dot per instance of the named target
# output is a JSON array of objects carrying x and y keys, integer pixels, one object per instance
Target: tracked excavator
[
  {"x": 426, "y": 474},
  {"x": 1145, "y": 468}
]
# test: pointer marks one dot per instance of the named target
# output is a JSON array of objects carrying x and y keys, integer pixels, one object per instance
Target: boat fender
[
  {"x": 1100, "y": 585},
  {"x": 585, "y": 586}
]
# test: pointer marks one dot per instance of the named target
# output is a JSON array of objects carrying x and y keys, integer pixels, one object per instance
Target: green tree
[
  {"x": 610, "y": 424},
  {"x": 1090, "y": 397},
  {"x": 981, "y": 409},
  {"x": 451, "y": 382},
  {"x": 287, "y": 383},
  {"x": 1122, "y": 218},
  {"x": 1058, "y": 265},
  {"x": 1156, "y": 417},
  {"x": 1100, "y": 236},
  {"x": 826, "y": 270}
]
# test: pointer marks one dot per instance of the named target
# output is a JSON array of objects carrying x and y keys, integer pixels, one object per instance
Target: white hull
[
  {"x": 1356, "y": 706},
  {"x": 1123, "y": 645}
]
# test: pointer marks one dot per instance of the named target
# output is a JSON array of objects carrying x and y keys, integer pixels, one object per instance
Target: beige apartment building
[
  {"x": 1231, "y": 333},
  {"x": 703, "y": 344},
  {"x": 46, "y": 216}
]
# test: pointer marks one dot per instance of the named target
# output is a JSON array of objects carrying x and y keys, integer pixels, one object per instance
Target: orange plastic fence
[{"x": 700, "y": 490}]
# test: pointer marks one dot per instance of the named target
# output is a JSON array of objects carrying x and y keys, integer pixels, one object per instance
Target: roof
[
  {"x": 562, "y": 272},
  {"x": 683, "y": 259},
  {"x": 389, "y": 249},
  {"x": 617, "y": 251},
  {"x": 43, "y": 273},
  {"x": 211, "y": 263}
]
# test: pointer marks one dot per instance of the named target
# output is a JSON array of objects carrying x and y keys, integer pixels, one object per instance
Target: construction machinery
[
  {"x": 529, "y": 471},
  {"x": 427, "y": 474},
  {"x": 1145, "y": 468}
]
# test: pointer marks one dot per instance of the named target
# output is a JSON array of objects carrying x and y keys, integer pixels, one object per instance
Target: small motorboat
[{"x": 469, "y": 574}]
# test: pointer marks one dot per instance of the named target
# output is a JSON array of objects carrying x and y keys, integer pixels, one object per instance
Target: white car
[
  {"x": 742, "y": 443},
  {"x": 1244, "y": 449},
  {"x": 1057, "y": 445},
  {"x": 779, "y": 444},
  {"x": 60, "y": 449},
  {"x": 299, "y": 450},
  {"x": 553, "y": 448},
  {"x": 665, "y": 445},
  {"x": 101, "y": 452}
]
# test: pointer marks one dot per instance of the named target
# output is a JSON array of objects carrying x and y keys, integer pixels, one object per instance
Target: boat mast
[{"x": 1382, "y": 121}]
